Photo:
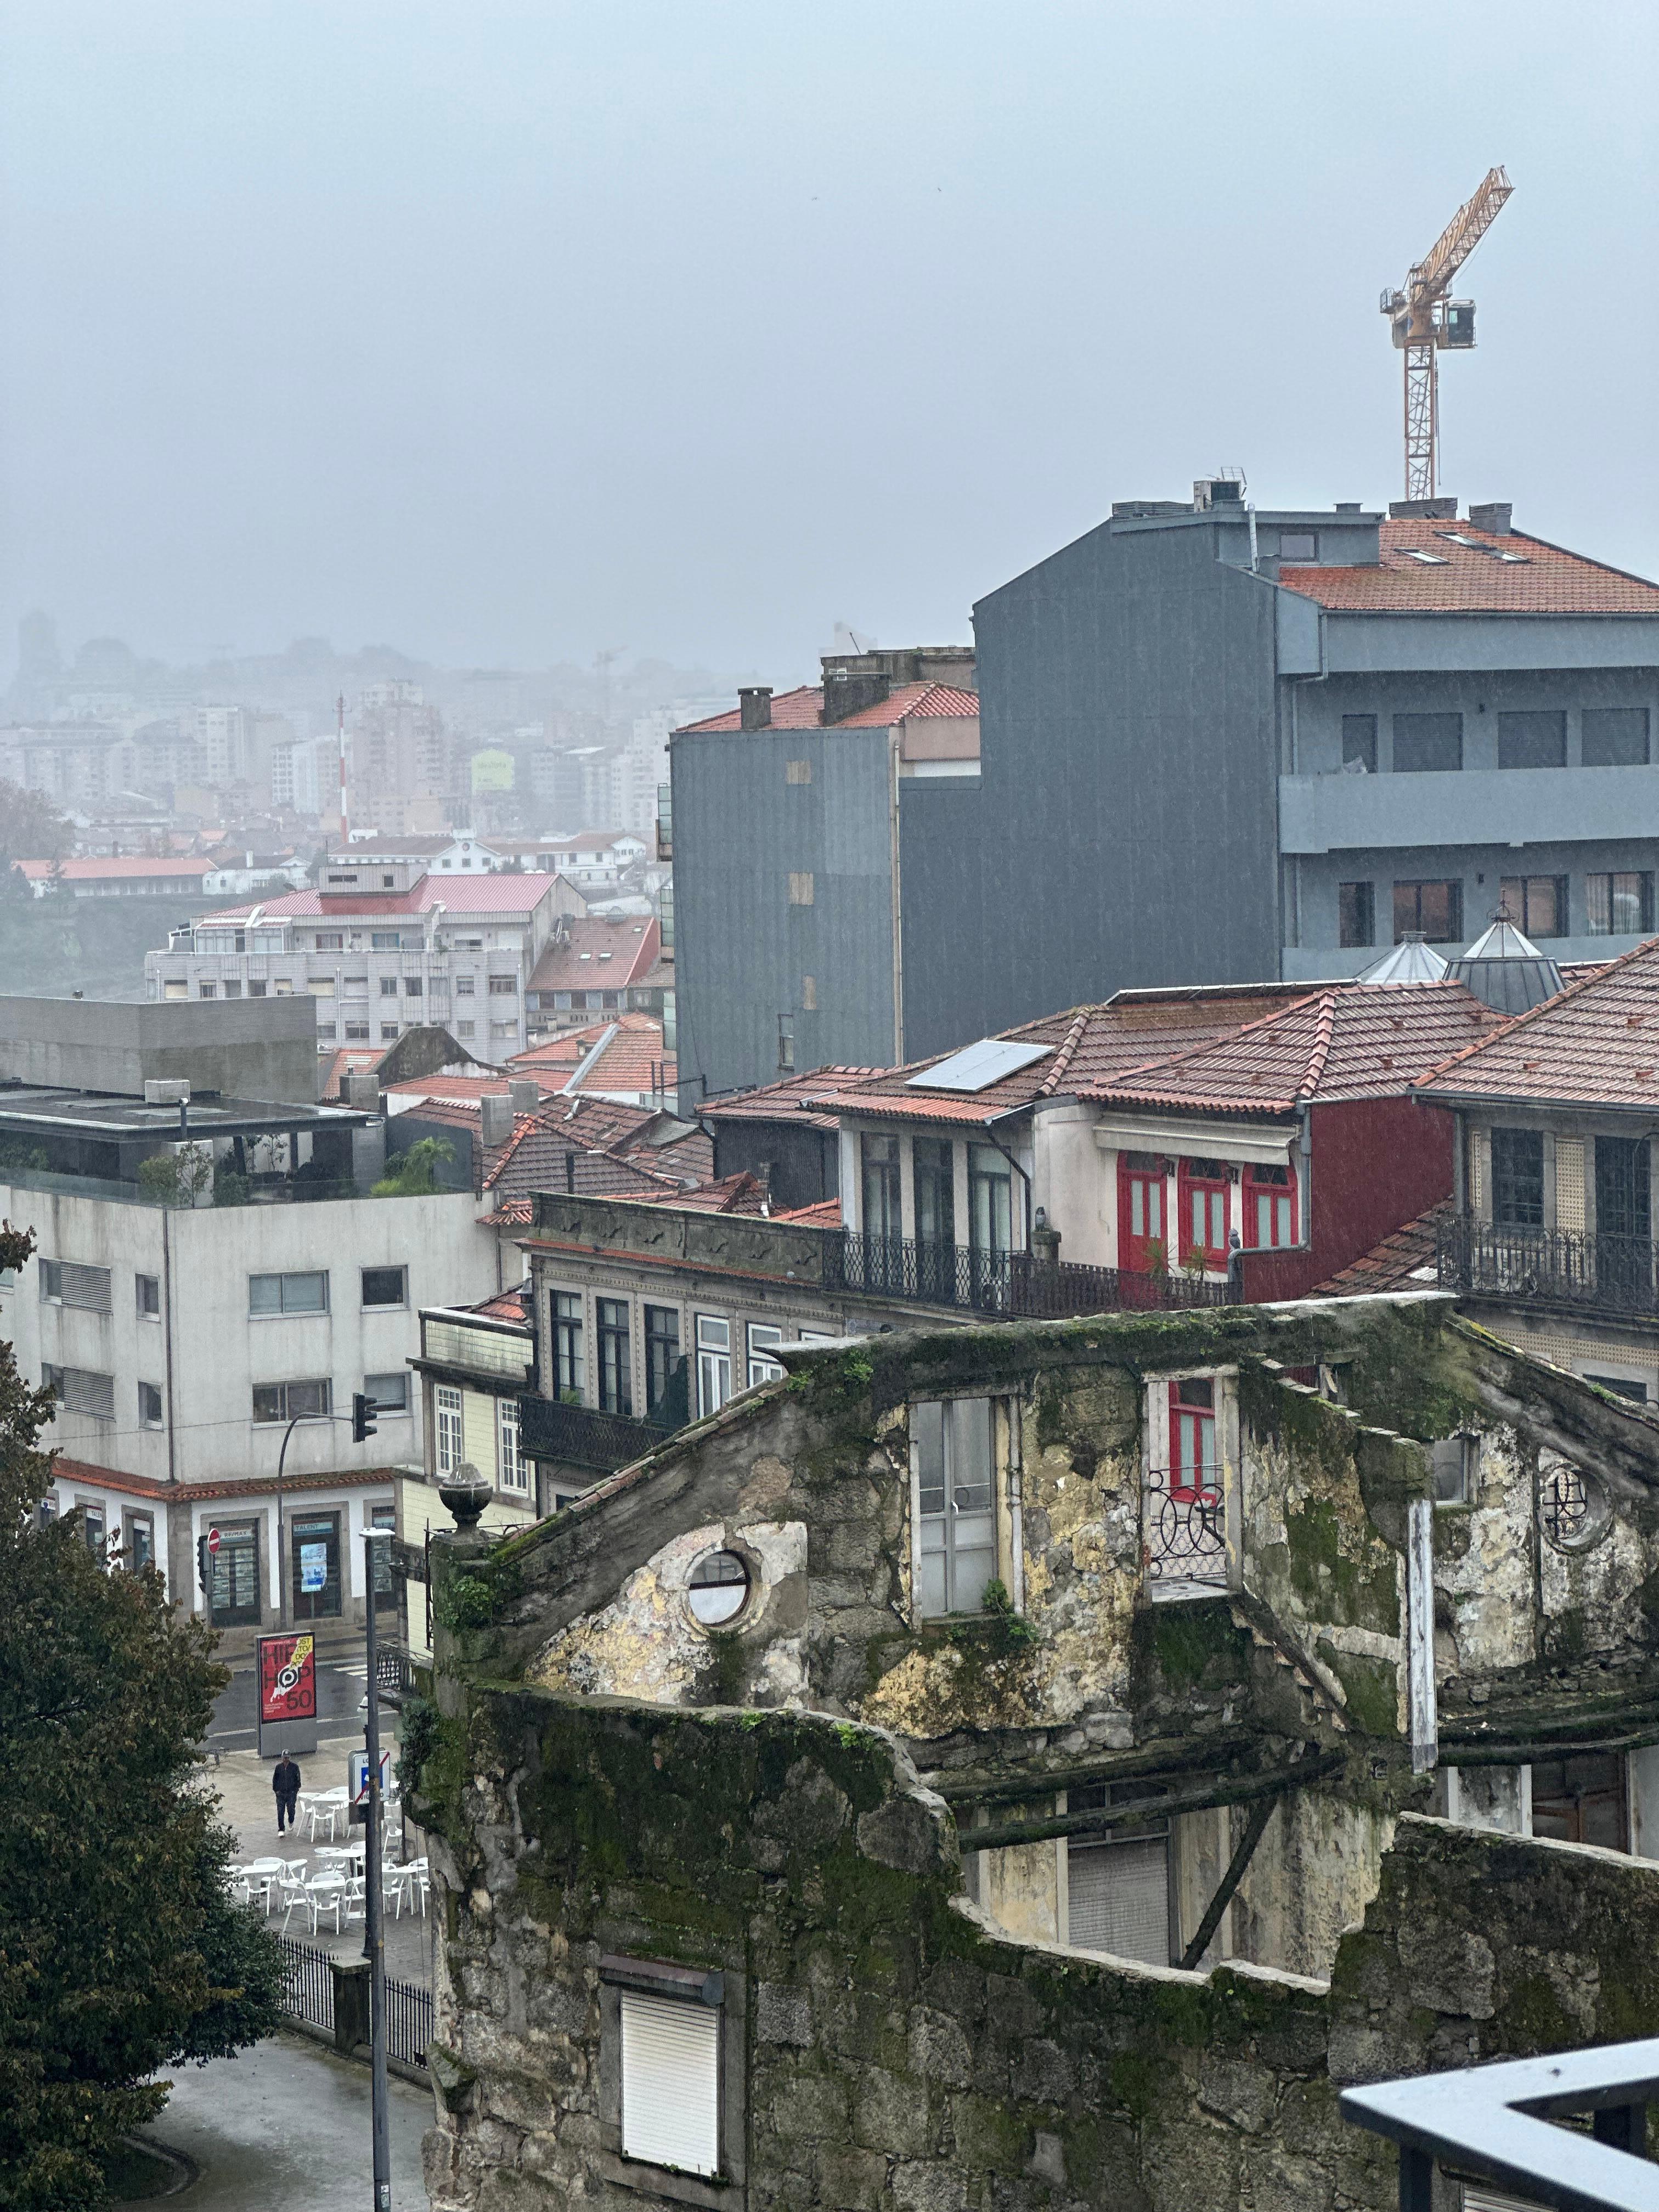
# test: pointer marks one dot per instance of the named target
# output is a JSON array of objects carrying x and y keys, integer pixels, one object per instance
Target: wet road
[
  {"x": 339, "y": 1705},
  {"x": 286, "y": 2124}
]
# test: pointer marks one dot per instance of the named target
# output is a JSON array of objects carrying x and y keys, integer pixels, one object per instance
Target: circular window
[
  {"x": 719, "y": 1588},
  {"x": 1573, "y": 1507}
]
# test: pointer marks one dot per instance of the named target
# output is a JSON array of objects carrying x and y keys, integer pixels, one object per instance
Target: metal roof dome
[
  {"x": 1410, "y": 961},
  {"x": 1505, "y": 971}
]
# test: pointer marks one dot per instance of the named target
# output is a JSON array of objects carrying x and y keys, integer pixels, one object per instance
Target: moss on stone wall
[{"x": 1341, "y": 1573}]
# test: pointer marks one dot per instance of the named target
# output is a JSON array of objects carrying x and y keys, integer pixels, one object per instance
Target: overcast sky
[{"x": 505, "y": 332}]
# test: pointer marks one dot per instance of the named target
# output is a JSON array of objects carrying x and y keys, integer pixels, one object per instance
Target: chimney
[
  {"x": 1423, "y": 510},
  {"x": 494, "y": 1118},
  {"x": 526, "y": 1093},
  {"x": 755, "y": 707},
  {"x": 850, "y": 690},
  {"x": 1497, "y": 516},
  {"x": 361, "y": 1090}
]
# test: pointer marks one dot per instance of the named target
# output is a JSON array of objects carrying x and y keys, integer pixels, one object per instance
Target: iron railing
[
  {"x": 307, "y": 1982},
  {"x": 1012, "y": 1283},
  {"x": 1548, "y": 1267},
  {"x": 1184, "y": 1527},
  {"x": 581, "y": 1436},
  {"x": 408, "y": 2021}
]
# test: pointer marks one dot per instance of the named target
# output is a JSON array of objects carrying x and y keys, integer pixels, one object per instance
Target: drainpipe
[
  {"x": 167, "y": 1338},
  {"x": 1025, "y": 1179},
  {"x": 1016, "y": 1506},
  {"x": 898, "y": 927}
]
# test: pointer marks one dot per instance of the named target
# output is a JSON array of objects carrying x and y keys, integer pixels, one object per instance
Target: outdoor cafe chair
[
  {"x": 294, "y": 1897},
  {"x": 328, "y": 1894}
]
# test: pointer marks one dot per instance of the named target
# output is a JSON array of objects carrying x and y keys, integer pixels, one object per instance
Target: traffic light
[
  {"x": 363, "y": 1411},
  {"x": 202, "y": 1561}
]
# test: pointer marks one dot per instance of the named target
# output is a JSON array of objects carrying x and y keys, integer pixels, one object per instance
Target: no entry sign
[
  {"x": 288, "y": 1678},
  {"x": 214, "y": 1539}
]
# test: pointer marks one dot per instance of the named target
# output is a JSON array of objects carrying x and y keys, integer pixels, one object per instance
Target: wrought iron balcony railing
[
  {"x": 1548, "y": 1267},
  {"x": 1017, "y": 1284},
  {"x": 585, "y": 1437}
]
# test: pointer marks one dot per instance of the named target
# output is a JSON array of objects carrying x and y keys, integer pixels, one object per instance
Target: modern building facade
[
  {"x": 381, "y": 947},
  {"x": 793, "y": 840},
  {"x": 1219, "y": 744}
]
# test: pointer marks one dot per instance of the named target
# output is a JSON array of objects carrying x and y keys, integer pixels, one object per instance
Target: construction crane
[{"x": 1423, "y": 319}]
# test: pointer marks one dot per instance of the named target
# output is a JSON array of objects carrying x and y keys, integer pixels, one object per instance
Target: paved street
[
  {"x": 242, "y": 1779},
  {"x": 339, "y": 1703},
  {"x": 288, "y": 2124}
]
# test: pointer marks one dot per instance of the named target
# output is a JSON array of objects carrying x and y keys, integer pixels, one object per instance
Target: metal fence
[
  {"x": 1013, "y": 1283},
  {"x": 1554, "y": 1267},
  {"x": 307, "y": 1983},
  {"x": 408, "y": 2021}
]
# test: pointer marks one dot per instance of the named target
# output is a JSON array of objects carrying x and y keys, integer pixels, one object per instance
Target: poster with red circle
[{"x": 288, "y": 1678}]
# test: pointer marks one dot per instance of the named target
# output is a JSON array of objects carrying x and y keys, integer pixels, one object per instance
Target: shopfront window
[{"x": 314, "y": 1566}]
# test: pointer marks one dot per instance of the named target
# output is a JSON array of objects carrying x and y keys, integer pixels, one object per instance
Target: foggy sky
[{"x": 506, "y": 332}]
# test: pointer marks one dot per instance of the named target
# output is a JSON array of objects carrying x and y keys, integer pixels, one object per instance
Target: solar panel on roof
[{"x": 976, "y": 1066}]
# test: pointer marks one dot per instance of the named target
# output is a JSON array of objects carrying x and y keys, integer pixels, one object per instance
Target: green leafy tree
[
  {"x": 121, "y": 1952},
  {"x": 417, "y": 1173},
  {"x": 30, "y": 829}
]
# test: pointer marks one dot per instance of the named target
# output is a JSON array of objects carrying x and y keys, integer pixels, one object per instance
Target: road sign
[
  {"x": 287, "y": 1678},
  {"x": 214, "y": 1539},
  {"x": 359, "y": 1783}
]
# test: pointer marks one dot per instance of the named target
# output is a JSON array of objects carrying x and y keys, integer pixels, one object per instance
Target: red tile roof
[
  {"x": 598, "y": 953},
  {"x": 132, "y": 868},
  {"x": 1595, "y": 1043},
  {"x": 803, "y": 709},
  {"x": 457, "y": 895},
  {"x": 1396, "y": 1264},
  {"x": 459, "y": 1089},
  {"x": 631, "y": 1057},
  {"x": 787, "y": 1100},
  {"x": 824, "y": 1213},
  {"x": 1544, "y": 579}
]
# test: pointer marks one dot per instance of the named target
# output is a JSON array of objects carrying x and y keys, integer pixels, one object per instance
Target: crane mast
[{"x": 1423, "y": 319}]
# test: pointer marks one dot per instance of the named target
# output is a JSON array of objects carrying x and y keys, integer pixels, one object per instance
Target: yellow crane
[{"x": 1423, "y": 319}]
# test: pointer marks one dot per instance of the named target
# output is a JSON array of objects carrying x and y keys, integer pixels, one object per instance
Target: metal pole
[
  {"x": 282, "y": 1556},
  {"x": 374, "y": 1932}
]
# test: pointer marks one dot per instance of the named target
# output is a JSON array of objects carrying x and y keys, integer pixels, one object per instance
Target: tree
[
  {"x": 120, "y": 1949},
  {"x": 30, "y": 830},
  {"x": 416, "y": 1173}
]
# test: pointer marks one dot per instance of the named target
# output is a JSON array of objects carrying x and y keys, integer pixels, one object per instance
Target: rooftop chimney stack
[
  {"x": 755, "y": 707},
  {"x": 494, "y": 1118},
  {"x": 1496, "y": 516}
]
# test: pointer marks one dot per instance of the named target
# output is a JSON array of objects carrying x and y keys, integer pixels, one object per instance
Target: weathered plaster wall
[{"x": 898, "y": 2055}]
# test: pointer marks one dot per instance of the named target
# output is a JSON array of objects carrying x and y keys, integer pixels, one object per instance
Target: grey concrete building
[
  {"x": 796, "y": 823},
  {"x": 1220, "y": 746}
]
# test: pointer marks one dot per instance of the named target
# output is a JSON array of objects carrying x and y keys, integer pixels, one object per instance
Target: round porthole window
[
  {"x": 1573, "y": 1506},
  {"x": 719, "y": 1589}
]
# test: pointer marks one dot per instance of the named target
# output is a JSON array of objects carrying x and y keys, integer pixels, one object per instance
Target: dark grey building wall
[
  {"x": 943, "y": 861},
  {"x": 1128, "y": 759},
  {"x": 742, "y": 951}
]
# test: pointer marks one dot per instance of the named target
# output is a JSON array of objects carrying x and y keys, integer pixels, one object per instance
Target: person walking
[{"x": 285, "y": 1781}]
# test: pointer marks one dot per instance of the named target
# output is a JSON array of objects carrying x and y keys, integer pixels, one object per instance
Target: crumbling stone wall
[{"x": 899, "y": 2054}]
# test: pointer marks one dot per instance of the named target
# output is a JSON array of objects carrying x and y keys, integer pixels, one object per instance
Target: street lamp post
[{"x": 374, "y": 1922}]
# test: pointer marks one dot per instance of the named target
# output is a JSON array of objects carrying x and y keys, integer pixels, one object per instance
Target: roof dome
[
  {"x": 1505, "y": 971},
  {"x": 1410, "y": 961}
]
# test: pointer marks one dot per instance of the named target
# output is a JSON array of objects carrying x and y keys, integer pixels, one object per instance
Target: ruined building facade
[{"x": 1039, "y": 1766}]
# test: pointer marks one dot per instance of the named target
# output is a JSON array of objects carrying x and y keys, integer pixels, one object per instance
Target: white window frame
[
  {"x": 962, "y": 1536},
  {"x": 448, "y": 1427},
  {"x": 762, "y": 1367},
  {"x": 282, "y": 1310},
  {"x": 713, "y": 1363},
  {"x": 512, "y": 1469}
]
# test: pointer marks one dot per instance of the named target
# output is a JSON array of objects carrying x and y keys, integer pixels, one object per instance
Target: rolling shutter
[
  {"x": 91, "y": 1395},
  {"x": 1480, "y": 2196},
  {"x": 671, "y": 2082},
  {"x": 86, "y": 1286},
  {"x": 1119, "y": 1898}
]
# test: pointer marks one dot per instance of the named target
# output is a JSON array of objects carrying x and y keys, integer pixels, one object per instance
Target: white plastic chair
[
  {"x": 294, "y": 1897},
  {"x": 421, "y": 1880},
  {"x": 328, "y": 1894},
  {"x": 398, "y": 1888}
]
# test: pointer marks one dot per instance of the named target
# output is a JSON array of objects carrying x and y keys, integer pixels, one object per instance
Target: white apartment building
[
  {"x": 382, "y": 946},
  {"x": 184, "y": 1342}
]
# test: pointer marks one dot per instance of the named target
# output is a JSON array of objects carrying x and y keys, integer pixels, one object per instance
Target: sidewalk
[
  {"x": 242, "y": 1780},
  {"x": 287, "y": 2123}
]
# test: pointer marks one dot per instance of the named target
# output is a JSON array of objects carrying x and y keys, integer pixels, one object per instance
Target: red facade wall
[{"x": 1376, "y": 1164}]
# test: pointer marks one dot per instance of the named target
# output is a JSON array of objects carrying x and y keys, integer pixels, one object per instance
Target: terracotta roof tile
[
  {"x": 803, "y": 709},
  {"x": 598, "y": 953},
  {"x": 1538, "y": 579},
  {"x": 787, "y": 1100},
  {"x": 1595, "y": 1043},
  {"x": 131, "y": 868},
  {"x": 1398, "y": 1263},
  {"x": 631, "y": 1057},
  {"x": 457, "y": 895}
]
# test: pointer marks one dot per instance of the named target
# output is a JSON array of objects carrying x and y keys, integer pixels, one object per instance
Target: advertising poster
[{"x": 287, "y": 1678}]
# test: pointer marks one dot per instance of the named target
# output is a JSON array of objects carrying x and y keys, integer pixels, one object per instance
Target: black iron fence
[
  {"x": 581, "y": 1436},
  {"x": 1551, "y": 1267},
  {"x": 408, "y": 2021},
  {"x": 1012, "y": 1283},
  {"x": 307, "y": 1982}
]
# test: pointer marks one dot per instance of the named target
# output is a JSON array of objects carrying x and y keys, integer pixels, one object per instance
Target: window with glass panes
[
  {"x": 1269, "y": 1208},
  {"x": 662, "y": 1353},
  {"x": 1432, "y": 910},
  {"x": 314, "y": 1566},
  {"x": 1623, "y": 1169},
  {"x": 449, "y": 1427},
  {"x": 1202, "y": 1195},
  {"x": 513, "y": 1470},
  {"x": 1614, "y": 737},
  {"x": 1356, "y": 913},
  {"x": 990, "y": 1200},
  {"x": 233, "y": 1576},
  {"x": 616, "y": 1355},
  {"x": 1537, "y": 905},
  {"x": 1582, "y": 1800},
  {"x": 762, "y": 1368},
  {"x": 1192, "y": 1457},
  {"x": 713, "y": 1363},
  {"x": 1427, "y": 744},
  {"x": 1517, "y": 1178},
  {"x": 1532, "y": 739},
  {"x": 935, "y": 1190},
  {"x": 1619, "y": 904},
  {"x": 570, "y": 1360},
  {"x": 951, "y": 1455},
  {"x": 880, "y": 1159},
  {"x": 1142, "y": 1240}
]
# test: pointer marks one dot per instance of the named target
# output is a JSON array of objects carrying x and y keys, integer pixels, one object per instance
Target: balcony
[
  {"x": 582, "y": 1437},
  {"x": 1549, "y": 1267},
  {"x": 1337, "y": 813},
  {"x": 1013, "y": 1284}
]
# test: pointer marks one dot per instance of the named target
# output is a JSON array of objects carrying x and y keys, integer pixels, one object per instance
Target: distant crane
[{"x": 1424, "y": 319}]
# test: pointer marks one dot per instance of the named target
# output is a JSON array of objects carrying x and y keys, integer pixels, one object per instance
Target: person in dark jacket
[{"x": 285, "y": 1781}]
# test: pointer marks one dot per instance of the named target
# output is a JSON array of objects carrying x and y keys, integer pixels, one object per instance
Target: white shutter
[
  {"x": 671, "y": 2081},
  {"x": 1119, "y": 1898},
  {"x": 91, "y": 1395},
  {"x": 1479, "y": 2196},
  {"x": 86, "y": 1286}
]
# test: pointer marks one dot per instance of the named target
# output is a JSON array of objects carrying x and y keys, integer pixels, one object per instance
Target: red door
[
  {"x": 1203, "y": 1189},
  {"x": 1193, "y": 1479},
  {"x": 1141, "y": 1225}
]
